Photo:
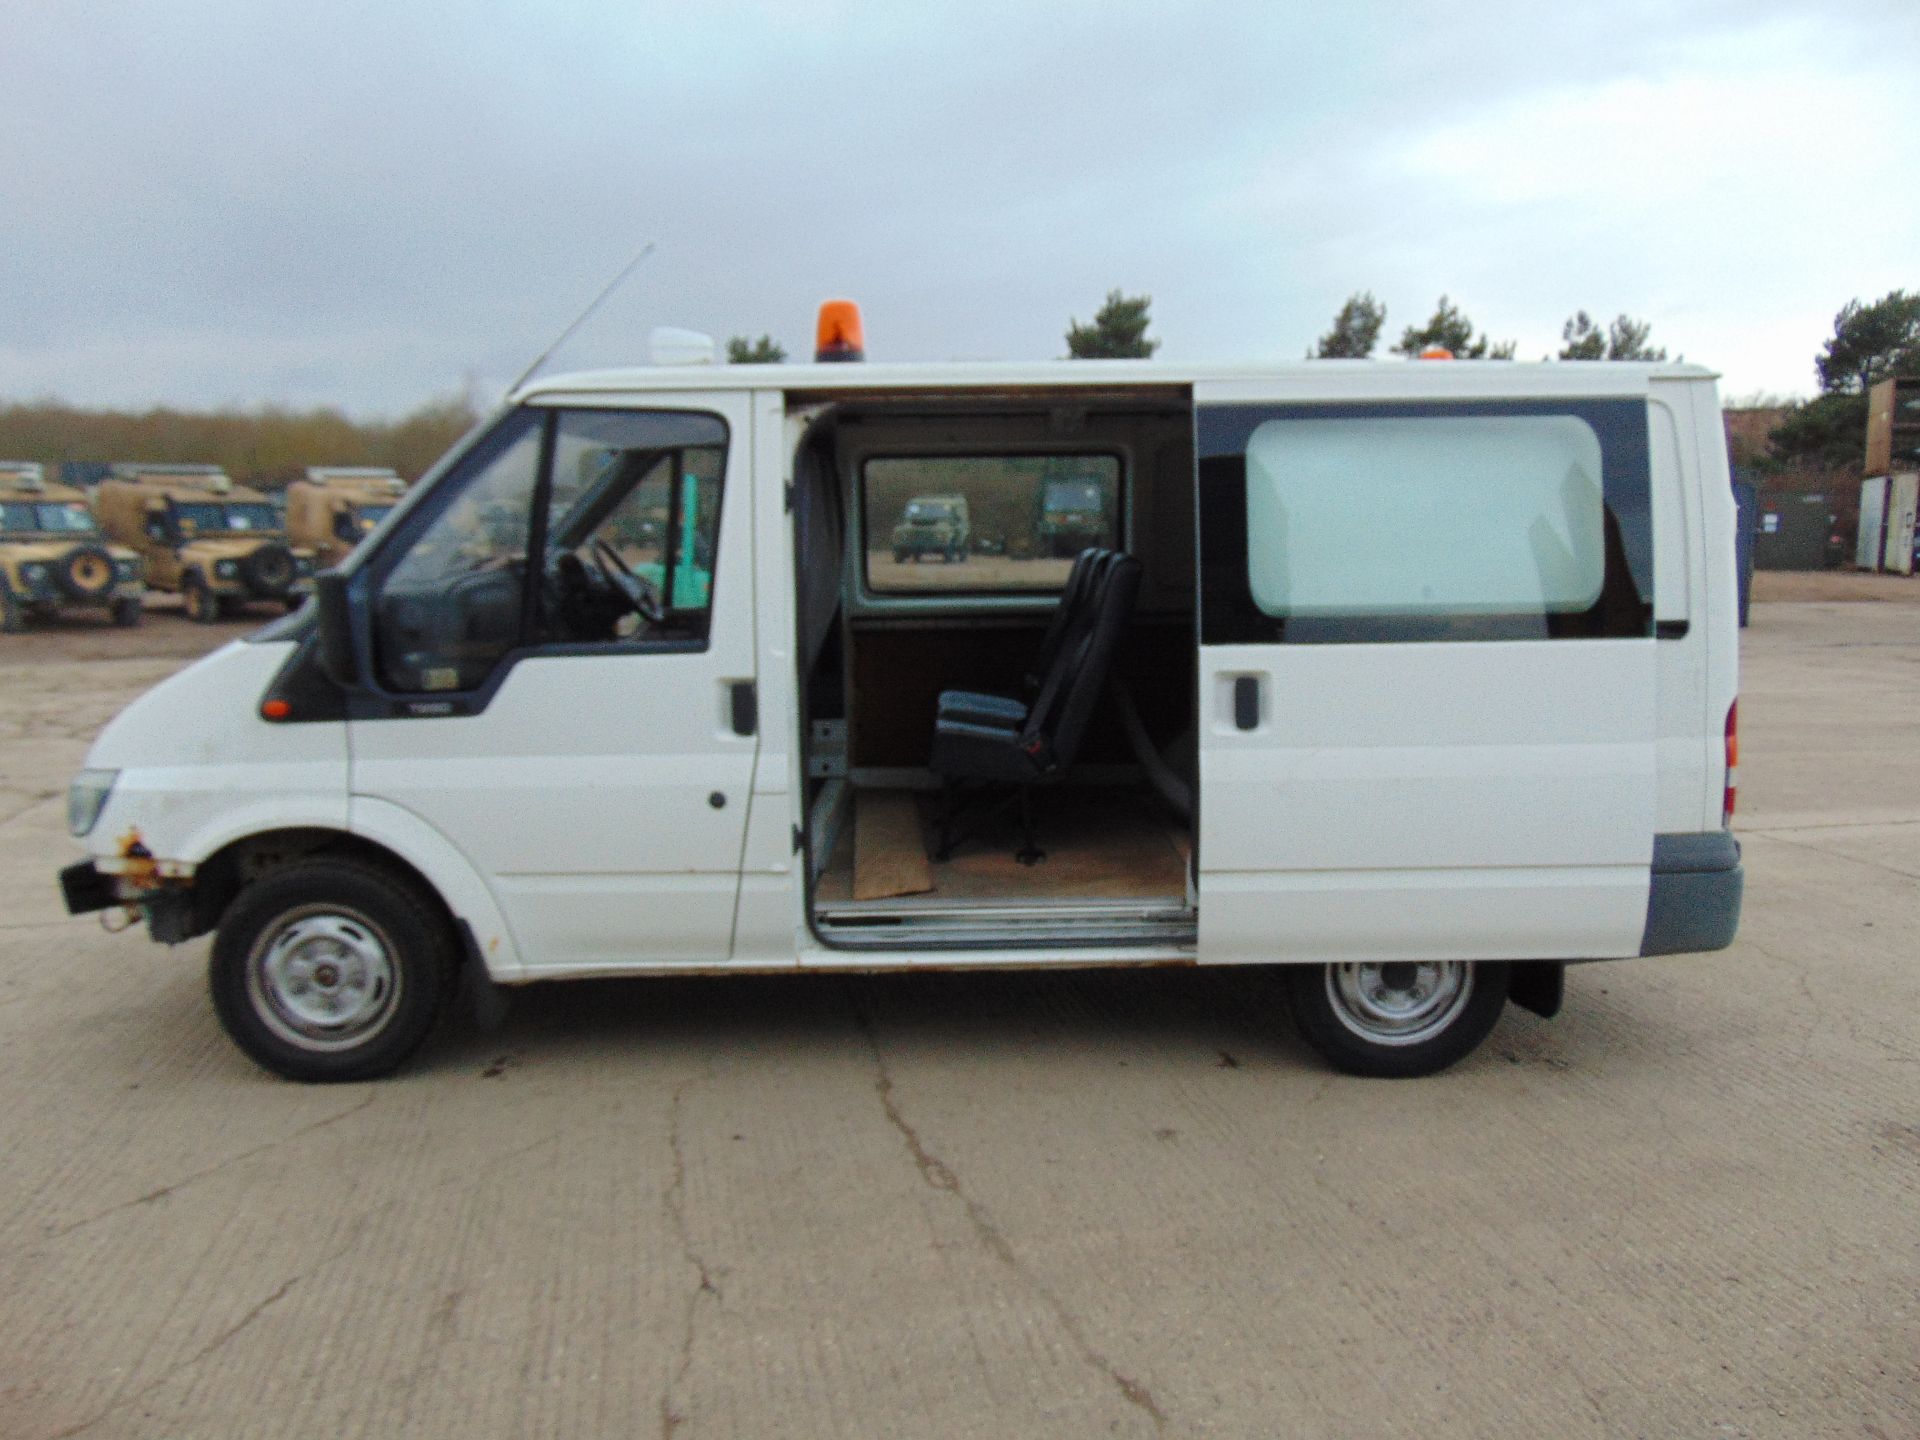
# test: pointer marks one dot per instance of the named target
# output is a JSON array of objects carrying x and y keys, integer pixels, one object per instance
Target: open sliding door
[{"x": 1427, "y": 690}]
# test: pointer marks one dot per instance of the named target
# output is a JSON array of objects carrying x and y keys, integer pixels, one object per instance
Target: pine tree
[
  {"x": 1118, "y": 331},
  {"x": 764, "y": 351},
  {"x": 1452, "y": 330},
  {"x": 1356, "y": 329},
  {"x": 1584, "y": 339}
]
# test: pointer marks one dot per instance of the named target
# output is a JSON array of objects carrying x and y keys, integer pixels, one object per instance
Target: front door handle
[
  {"x": 1246, "y": 702},
  {"x": 743, "y": 704}
]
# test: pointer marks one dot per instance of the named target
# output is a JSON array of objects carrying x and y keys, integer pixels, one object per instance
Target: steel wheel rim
[
  {"x": 323, "y": 978},
  {"x": 1399, "y": 1003}
]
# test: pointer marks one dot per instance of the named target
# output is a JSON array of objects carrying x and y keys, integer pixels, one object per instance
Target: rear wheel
[
  {"x": 331, "y": 970},
  {"x": 1398, "y": 1019},
  {"x": 203, "y": 606}
]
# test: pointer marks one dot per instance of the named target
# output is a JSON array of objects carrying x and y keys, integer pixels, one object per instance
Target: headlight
[
  {"x": 226, "y": 569},
  {"x": 303, "y": 566},
  {"x": 127, "y": 569},
  {"x": 87, "y": 797}
]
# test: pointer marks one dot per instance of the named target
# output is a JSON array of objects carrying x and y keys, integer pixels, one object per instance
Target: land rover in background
[
  {"x": 335, "y": 507},
  {"x": 219, "y": 545},
  {"x": 53, "y": 557},
  {"x": 933, "y": 525},
  {"x": 1074, "y": 513}
]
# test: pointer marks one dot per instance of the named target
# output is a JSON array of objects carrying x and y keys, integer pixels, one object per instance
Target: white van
[{"x": 1416, "y": 679}]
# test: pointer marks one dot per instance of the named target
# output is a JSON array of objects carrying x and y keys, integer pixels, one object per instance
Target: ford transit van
[{"x": 1413, "y": 679}]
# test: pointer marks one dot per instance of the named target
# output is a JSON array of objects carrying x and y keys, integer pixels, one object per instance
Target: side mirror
[{"x": 334, "y": 617}]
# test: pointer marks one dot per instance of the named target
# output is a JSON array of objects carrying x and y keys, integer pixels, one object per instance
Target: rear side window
[
  {"x": 1523, "y": 520},
  {"x": 985, "y": 524},
  {"x": 1425, "y": 517}
]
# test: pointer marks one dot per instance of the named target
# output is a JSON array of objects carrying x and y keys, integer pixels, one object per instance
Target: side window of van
[
  {"x": 625, "y": 518},
  {"x": 632, "y": 522},
  {"x": 1515, "y": 523},
  {"x": 453, "y": 605},
  {"x": 984, "y": 524}
]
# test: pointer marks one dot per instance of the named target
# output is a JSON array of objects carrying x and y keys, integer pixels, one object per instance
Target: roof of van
[{"x": 1304, "y": 380}]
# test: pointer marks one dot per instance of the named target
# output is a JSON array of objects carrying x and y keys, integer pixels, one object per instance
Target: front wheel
[
  {"x": 331, "y": 970},
  {"x": 126, "y": 613},
  {"x": 203, "y": 606},
  {"x": 1398, "y": 1019},
  {"x": 13, "y": 617}
]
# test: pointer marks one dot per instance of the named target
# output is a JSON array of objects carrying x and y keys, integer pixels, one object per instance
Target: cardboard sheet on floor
[{"x": 889, "y": 852}]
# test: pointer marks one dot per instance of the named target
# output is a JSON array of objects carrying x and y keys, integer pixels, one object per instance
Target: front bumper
[{"x": 86, "y": 889}]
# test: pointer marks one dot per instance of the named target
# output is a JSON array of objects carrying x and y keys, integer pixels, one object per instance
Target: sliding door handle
[
  {"x": 743, "y": 704},
  {"x": 1246, "y": 702}
]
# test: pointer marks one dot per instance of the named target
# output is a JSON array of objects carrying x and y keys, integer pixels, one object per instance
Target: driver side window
[{"x": 629, "y": 512}]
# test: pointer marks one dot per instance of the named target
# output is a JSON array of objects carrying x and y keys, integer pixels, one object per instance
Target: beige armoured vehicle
[
  {"x": 216, "y": 543},
  {"x": 338, "y": 505},
  {"x": 53, "y": 556}
]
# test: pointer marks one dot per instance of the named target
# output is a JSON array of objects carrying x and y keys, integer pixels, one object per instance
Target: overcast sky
[{"x": 371, "y": 204}]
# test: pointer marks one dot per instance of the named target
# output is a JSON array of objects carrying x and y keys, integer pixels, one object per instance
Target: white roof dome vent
[{"x": 670, "y": 346}]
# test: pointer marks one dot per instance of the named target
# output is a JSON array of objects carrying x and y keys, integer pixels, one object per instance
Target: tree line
[
  {"x": 268, "y": 446},
  {"x": 1871, "y": 341}
]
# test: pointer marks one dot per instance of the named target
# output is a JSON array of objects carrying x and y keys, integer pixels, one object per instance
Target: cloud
[{"x": 363, "y": 203}]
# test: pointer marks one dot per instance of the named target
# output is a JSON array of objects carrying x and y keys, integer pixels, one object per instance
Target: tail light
[{"x": 1733, "y": 762}]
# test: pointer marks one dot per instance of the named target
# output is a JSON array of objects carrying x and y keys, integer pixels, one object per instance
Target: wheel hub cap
[
  {"x": 1401, "y": 1002},
  {"x": 326, "y": 977}
]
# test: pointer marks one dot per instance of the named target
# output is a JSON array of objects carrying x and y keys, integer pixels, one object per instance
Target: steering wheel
[{"x": 641, "y": 594}]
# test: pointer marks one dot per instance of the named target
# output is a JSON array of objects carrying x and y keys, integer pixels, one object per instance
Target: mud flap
[{"x": 1538, "y": 985}]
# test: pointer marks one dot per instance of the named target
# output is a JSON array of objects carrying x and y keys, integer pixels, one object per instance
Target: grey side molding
[{"x": 1694, "y": 894}]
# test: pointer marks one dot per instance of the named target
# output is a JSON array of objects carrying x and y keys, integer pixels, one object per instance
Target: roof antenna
[{"x": 598, "y": 300}]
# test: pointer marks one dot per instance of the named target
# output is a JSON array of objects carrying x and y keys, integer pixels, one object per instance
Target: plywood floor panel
[{"x": 1099, "y": 844}]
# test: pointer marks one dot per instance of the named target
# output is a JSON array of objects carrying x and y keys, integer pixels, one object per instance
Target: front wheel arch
[{"x": 221, "y": 877}]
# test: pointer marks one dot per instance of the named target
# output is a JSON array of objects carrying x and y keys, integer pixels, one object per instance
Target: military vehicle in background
[
  {"x": 1074, "y": 513},
  {"x": 53, "y": 556},
  {"x": 336, "y": 506},
  {"x": 934, "y": 525},
  {"x": 218, "y": 544}
]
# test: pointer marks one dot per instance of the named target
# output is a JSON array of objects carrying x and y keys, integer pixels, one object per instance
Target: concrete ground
[{"x": 1071, "y": 1204}]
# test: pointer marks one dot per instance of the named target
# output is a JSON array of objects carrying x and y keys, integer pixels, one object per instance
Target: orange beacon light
[{"x": 838, "y": 335}]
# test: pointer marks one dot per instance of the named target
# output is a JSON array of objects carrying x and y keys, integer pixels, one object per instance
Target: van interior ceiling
[{"x": 998, "y": 737}]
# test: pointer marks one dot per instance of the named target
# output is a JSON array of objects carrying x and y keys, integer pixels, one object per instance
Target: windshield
[
  {"x": 1065, "y": 495},
  {"x": 929, "y": 510},
  {"x": 210, "y": 517},
  {"x": 65, "y": 517}
]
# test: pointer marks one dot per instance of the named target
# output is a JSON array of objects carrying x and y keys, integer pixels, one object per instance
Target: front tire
[
  {"x": 1397, "y": 1020},
  {"x": 331, "y": 970},
  {"x": 13, "y": 618},
  {"x": 203, "y": 606},
  {"x": 126, "y": 613}
]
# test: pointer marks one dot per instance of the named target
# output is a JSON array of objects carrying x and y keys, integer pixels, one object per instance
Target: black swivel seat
[
  {"x": 973, "y": 756},
  {"x": 1076, "y": 601}
]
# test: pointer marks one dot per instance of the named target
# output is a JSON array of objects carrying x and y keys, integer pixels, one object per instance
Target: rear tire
[
  {"x": 203, "y": 606},
  {"x": 331, "y": 970},
  {"x": 1399, "y": 1020}
]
